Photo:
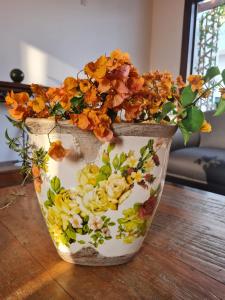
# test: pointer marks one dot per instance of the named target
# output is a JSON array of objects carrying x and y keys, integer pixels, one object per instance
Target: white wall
[
  {"x": 53, "y": 38},
  {"x": 166, "y": 35}
]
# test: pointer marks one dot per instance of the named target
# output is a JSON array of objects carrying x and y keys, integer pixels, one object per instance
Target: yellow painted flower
[
  {"x": 136, "y": 176},
  {"x": 206, "y": 127},
  {"x": 107, "y": 195},
  {"x": 149, "y": 165},
  {"x": 88, "y": 174},
  {"x": 131, "y": 160}
]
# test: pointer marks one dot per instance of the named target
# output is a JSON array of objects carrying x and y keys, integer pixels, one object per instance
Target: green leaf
[
  {"x": 116, "y": 162},
  {"x": 51, "y": 195},
  {"x": 220, "y": 108},
  {"x": 81, "y": 242},
  {"x": 105, "y": 157},
  {"x": 194, "y": 119},
  {"x": 211, "y": 73},
  {"x": 188, "y": 96},
  {"x": 106, "y": 169},
  {"x": 223, "y": 76},
  {"x": 111, "y": 146},
  {"x": 71, "y": 233},
  {"x": 167, "y": 107},
  {"x": 123, "y": 157},
  {"x": 55, "y": 184},
  {"x": 48, "y": 203},
  {"x": 142, "y": 150},
  {"x": 185, "y": 133}
]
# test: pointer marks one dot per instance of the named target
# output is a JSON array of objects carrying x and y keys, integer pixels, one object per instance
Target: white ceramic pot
[{"x": 99, "y": 201}]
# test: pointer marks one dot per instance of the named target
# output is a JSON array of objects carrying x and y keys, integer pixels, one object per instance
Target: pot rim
[{"x": 44, "y": 126}]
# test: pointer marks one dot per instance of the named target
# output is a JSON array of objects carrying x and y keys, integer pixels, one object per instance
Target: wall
[
  {"x": 52, "y": 39},
  {"x": 49, "y": 39},
  {"x": 166, "y": 35}
]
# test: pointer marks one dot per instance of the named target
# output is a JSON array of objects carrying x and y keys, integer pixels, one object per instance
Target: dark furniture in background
[{"x": 202, "y": 162}]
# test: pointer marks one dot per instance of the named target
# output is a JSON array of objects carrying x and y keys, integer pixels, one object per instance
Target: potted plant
[{"x": 98, "y": 149}]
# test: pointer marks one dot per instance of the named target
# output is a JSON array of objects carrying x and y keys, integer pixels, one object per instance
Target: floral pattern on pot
[{"x": 84, "y": 216}]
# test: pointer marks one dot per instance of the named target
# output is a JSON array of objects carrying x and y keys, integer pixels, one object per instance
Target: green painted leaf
[
  {"x": 187, "y": 96},
  {"x": 220, "y": 108},
  {"x": 81, "y": 242},
  {"x": 106, "y": 169},
  {"x": 111, "y": 146},
  {"x": 51, "y": 195},
  {"x": 116, "y": 162},
  {"x": 55, "y": 184},
  {"x": 211, "y": 73},
  {"x": 71, "y": 233},
  {"x": 194, "y": 119},
  {"x": 223, "y": 76},
  {"x": 123, "y": 157},
  {"x": 105, "y": 157},
  {"x": 48, "y": 203}
]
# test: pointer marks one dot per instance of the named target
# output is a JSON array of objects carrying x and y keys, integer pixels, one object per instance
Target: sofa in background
[{"x": 201, "y": 163}]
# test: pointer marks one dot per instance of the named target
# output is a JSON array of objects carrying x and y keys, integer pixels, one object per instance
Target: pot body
[{"x": 99, "y": 201}]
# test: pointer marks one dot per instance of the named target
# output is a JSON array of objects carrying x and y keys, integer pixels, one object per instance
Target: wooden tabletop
[{"x": 183, "y": 256}]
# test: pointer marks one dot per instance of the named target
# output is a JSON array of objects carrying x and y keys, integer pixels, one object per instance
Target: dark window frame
[{"x": 188, "y": 37}]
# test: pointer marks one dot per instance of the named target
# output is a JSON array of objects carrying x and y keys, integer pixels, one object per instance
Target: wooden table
[{"x": 183, "y": 256}]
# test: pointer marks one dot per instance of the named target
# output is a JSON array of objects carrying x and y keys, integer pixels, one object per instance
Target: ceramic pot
[{"x": 99, "y": 201}]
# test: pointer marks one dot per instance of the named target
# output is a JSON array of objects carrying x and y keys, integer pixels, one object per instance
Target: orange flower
[
  {"x": 135, "y": 84},
  {"x": 70, "y": 84},
  {"x": 57, "y": 151},
  {"x": 196, "y": 82},
  {"x": 37, "y": 178},
  {"x": 206, "y": 127},
  {"x": 18, "y": 113},
  {"x": 38, "y": 104},
  {"x": 81, "y": 120},
  {"x": 38, "y": 90},
  {"x": 91, "y": 96},
  {"x": 119, "y": 55},
  {"x": 16, "y": 99},
  {"x": 84, "y": 85},
  {"x": 96, "y": 121},
  {"x": 96, "y": 70},
  {"x": 104, "y": 85},
  {"x": 180, "y": 83}
]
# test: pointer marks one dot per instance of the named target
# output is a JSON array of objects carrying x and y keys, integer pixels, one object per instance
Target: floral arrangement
[{"x": 114, "y": 91}]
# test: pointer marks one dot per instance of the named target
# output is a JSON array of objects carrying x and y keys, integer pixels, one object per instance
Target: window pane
[{"x": 209, "y": 46}]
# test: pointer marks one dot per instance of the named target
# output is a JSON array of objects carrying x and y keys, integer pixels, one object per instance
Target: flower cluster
[
  {"x": 114, "y": 91},
  {"x": 134, "y": 222}
]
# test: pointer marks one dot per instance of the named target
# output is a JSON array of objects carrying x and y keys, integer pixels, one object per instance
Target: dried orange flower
[
  {"x": 206, "y": 127},
  {"x": 37, "y": 178},
  {"x": 17, "y": 105},
  {"x": 196, "y": 82},
  {"x": 119, "y": 55},
  {"x": 91, "y": 96},
  {"x": 84, "y": 85},
  {"x": 96, "y": 70},
  {"x": 180, "y": 83},
  {"x": 57, "y": 151},
  {"x": 38, "y": 104}
]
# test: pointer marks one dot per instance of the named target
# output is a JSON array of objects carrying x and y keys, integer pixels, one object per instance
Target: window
[{"x": 204, "y": 27}]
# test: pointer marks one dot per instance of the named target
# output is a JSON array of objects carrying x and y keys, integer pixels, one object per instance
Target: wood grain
[{"x": 183, "y": 256}]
